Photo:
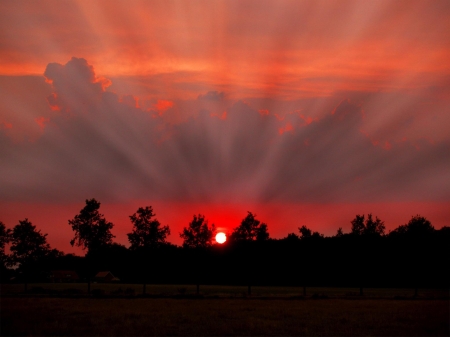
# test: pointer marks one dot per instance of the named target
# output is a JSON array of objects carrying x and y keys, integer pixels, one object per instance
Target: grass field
[
  {"x": 172, "y": 317},
  {"x": 217, "y": 291},
  {"x": 118, "y": 309}
]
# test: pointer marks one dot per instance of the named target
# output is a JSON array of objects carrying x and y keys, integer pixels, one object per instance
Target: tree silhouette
[
  {"x": 369, "y": 229},
  {"x": 362, "y": 226},
  {"x": 339, "y": 233},
  {"x": 420, "y": 224},
  {"x": 306, "y": 233},
  {"x": 417, "y": 230},
  {"x": 413, "y": 255},
  {"x": 147, "y": 235},
  {"x": 92, "y": 231},
  {"x": 374, "y": 227},
  {"x": 5, "y": 237},
  {"x": 28, "y": 246},
  {"x": 198, "y": 236},
  {"x": 358, "y": 226},
  {"x": 417, "y": 226},
  {"x": 147, "y": 231},
  {"x": 250, "y": 229},
  {"x": 292, "y": 237}
]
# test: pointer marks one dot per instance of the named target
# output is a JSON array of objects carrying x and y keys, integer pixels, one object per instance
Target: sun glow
[{"x": 221, "y": 238}]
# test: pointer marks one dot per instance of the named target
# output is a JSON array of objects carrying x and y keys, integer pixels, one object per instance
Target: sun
[{"x": 221, "y": 237}]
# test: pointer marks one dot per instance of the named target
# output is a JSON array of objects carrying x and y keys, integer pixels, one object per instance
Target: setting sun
[{"x": 221, "y": 238}]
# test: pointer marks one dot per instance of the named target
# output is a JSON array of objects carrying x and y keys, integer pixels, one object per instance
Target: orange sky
[
  {"x": 341, "y": 104},
  {"x": 260, "y": 45}
]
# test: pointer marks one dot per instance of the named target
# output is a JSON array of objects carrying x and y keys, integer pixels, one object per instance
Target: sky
[{"x": 302, "y": 112}]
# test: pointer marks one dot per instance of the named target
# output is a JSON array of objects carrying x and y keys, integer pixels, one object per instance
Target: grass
[
  {"x": 219, "y": 291},
  {"x": 33, "y": 316}
]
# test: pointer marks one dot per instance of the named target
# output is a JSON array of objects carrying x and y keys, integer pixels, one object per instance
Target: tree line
[{"x": 414, "y": 254}]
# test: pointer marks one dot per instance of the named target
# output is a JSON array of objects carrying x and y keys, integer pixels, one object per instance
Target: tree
[
  {"x": 339, "y": 232},
  {"x": 250, "y": 229},
  {"x": 292, "y": 237},
  {"x": 147, "y": 231},
  {"x": 92, "y": 231},
  {"x": 418, "y": 230},
  {"x": 306, "y": 233},
  {"x": 374, "y": 227},
  {"x": 28, "y": 246},
  {"x": 417, "y": 226},
  {"x": 198, "y": 234},
  {"x": 420, "y": 224},
  {"x": 369, "y": 228},
  {"x": 358, "y": 226},
  {"x": 362, "y": 226},
  {"x": 5, "y": 236},
  {"x": 147, "y": 234}
]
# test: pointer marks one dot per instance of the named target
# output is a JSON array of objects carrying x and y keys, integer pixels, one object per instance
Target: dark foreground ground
[{"x": 46, "y": 316}]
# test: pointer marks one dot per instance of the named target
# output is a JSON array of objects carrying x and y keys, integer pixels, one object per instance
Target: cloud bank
[{"x": 95, "y": 143}]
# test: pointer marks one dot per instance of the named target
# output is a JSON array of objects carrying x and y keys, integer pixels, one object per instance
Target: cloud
[
  {"x": 332, "y": 160},
  {"x": 304, "y": 49},
  {"x": 212, "y": 96},
  {"x": 41, "y": 121},
  {"x": 76, "y": 88},
  {"x": 22, "y": 101},
  {"x": 5, "y": 125},
  {"x": 162, "y": 105},
  {"x": 130, "y": 100},
  {"x": 101, "y": 145}
]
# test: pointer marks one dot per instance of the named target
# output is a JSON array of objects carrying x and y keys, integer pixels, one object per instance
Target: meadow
[
  {"x": 220, "y": 310},
  {"x": 170, "y": 290}
]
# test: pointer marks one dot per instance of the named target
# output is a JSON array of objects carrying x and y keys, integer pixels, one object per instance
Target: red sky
[{"x": 303, "y": 112}]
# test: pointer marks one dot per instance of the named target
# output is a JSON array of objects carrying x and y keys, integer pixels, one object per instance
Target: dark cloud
[
  {"x": 23, "y": 101},
  {"x": 334, "y": 161},
  {"x": 211, "y": 149},
  {"x": 212, "y": 96},
  {"x": 76, "y": 89}
]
